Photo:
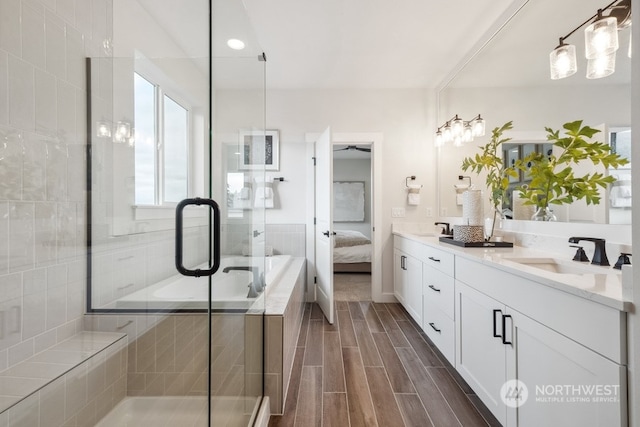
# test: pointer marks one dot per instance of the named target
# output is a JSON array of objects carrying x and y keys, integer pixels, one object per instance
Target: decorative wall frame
[
  {"x": 348, "y": 201},
  {"x": 260, "y": 149}
]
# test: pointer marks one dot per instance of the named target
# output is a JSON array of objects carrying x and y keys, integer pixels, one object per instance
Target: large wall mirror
[{"x": 508, "y": 79}]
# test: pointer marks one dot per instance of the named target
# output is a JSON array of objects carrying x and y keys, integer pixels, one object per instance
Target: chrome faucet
[
  {"x": 256, "y": 286},
  {"x": 599, "y": 254}
]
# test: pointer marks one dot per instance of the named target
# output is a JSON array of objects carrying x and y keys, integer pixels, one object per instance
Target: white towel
[
  {"x": 413, "y": 198},
  {"x": 264, "y": 196}
]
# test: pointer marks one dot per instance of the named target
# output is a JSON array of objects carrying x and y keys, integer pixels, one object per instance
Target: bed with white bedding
[{"x": 351, "y": 252}]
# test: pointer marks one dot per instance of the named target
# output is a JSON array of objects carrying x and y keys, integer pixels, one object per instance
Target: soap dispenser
[
  {"x": 622, "y": 259},
  {"x": 580, "y": 254}
]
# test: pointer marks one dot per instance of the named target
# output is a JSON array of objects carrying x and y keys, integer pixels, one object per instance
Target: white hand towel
[
  {"x": 264, "y": 196},
  {"x": 413, "y": 197}
]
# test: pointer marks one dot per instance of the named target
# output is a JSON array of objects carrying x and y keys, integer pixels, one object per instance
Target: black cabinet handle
[
  {"x": 434, "y": 328},
  {"x": 504, "y": 330},
  {"x": 495, "y": 333},
  {"x": 434, "y": 259},
  {"x": 434, "y": 288},
  {"x": 216, "y": 237},
  {"x": 327, "y": 233},
  {"x": 402, "y": 262}
]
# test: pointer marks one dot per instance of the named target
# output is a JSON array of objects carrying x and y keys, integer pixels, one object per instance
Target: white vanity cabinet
[
  {"x": 495, "y": 325},
  {"x": 481, "y": 358},
  {"x": 407, "y": 282},
  {"x": 571, "y": 357},
  {"x": 438, "y": 300}
]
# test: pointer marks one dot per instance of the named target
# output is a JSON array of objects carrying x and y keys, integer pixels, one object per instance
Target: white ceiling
[
  {"x": 367, "y": 43},
  {"x": 377, "y": 43}
]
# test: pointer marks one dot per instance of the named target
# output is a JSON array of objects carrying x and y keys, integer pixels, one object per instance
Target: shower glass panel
[{"x": 165, "y": 122}]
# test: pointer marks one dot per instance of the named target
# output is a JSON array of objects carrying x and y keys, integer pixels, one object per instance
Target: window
[{"x": 161, "y": 145}]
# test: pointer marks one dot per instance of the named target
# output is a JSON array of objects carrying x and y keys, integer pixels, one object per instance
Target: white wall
[
  {"x": 403, "y": 116},
  {"x": 355, "y": 170}
]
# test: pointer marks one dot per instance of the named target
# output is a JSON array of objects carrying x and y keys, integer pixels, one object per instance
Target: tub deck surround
[
  {"x": 36, "y": 373},
  {"x": 605, "y": 288},
  {"x": 283, "y": 317},
  {"x": 229, "y": 290}
]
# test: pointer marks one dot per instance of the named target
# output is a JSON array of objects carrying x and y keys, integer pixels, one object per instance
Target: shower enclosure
[{"x": 170, "y": 172}]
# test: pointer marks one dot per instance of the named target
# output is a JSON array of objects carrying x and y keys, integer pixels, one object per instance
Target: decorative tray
[{"x": 449, "y": 240}]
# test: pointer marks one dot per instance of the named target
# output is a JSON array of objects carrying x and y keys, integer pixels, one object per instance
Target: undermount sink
[{"x": 560, "y": 266}]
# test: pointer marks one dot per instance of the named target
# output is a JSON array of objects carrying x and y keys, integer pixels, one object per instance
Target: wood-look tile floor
[{"x": 374, "y": 367}]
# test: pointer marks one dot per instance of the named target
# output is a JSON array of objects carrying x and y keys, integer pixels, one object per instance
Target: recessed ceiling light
[{"x": 235, "y": 44}]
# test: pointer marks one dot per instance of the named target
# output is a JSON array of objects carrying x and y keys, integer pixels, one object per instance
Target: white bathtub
[{"x": 229, "y": 290}]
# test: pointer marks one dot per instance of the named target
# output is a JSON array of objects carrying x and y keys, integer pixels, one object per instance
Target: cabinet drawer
[
  {"x": 440, "y": 329},
  {"x": 439, "y": 259},
  {"x": 438, "y": 288}
]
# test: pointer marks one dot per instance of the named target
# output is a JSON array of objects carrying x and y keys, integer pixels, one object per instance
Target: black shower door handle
[{"x": 216, "y": 237}]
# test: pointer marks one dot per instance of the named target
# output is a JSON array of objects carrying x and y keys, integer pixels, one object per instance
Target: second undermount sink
[{"x": 554, "y": 265}]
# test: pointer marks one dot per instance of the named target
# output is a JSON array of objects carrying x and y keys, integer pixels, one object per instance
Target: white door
[{"x": 324, "y": 224}]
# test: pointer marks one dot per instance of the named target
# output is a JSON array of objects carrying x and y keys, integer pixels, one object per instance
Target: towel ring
[{"x": 412, "y": 178}]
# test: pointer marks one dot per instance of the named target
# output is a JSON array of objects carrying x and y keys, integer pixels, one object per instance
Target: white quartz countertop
[{"x": 604, "y": 288}]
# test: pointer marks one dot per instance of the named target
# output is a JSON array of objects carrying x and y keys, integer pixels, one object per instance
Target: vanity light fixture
[
  {"x": 459, "y": 131},
  {"x": 601, "y": 43},
  {"x": 103, "y": 129},
  {"x": 601, "y": 66},
  {"x": 563, "y": 61},
  {"x": 601, "y": 37},
  {"x": 121, "y": 133}
]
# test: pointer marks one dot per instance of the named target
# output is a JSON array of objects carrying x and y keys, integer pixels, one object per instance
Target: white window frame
[{"x": 145, "y": 211}]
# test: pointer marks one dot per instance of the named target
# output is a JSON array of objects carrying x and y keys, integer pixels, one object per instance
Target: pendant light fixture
[
  {"x": 601, "y": 43},
  {"x": 459, "y": 131}
]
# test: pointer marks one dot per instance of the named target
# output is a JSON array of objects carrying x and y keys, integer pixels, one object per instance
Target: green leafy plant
[
  {"x": 490, "y": 160},
  {"x": 553, "y": 181}
]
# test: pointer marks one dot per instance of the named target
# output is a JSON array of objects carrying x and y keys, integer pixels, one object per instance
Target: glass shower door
[{"x": 163, "y": 120}]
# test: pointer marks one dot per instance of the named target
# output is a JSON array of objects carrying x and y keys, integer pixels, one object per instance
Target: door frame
[{"x": 373, "y": 139}]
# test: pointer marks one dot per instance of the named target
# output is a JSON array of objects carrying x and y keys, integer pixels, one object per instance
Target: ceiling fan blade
[{"x": 354, "y": 147}]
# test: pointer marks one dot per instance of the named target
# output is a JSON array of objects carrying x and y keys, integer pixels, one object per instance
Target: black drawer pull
[
  {"x": 434, "y": 259},
  {"x": 434, "y": 288},
  {"x": 504, "y": 330},
  {"x": 434, "y": 328},
  {"x": 495, "y": 333}
]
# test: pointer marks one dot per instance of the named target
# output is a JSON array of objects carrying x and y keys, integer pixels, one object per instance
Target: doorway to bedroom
[{"x": 352, "y": 221}]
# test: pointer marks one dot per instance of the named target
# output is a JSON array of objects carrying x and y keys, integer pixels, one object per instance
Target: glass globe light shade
[
  {"x": 601, "y": 37},
  {"x": 601, "y": 66},
  {"x": 478, "y": 127},
  {"x": 439, "y": 141},
  {"x": 467, "y": 133},
  {"x": 562, "y": 61},
  {"x": 457, "y": 127},
  {"x": 447, "y": 135}
]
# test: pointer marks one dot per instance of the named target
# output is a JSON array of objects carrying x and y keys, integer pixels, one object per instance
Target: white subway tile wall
[
  {"x": 43, "y": 44},
  {"x": 285, "y": 239}
]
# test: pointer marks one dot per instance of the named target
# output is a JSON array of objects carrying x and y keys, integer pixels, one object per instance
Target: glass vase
[{"x": 543, "y": 213}]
